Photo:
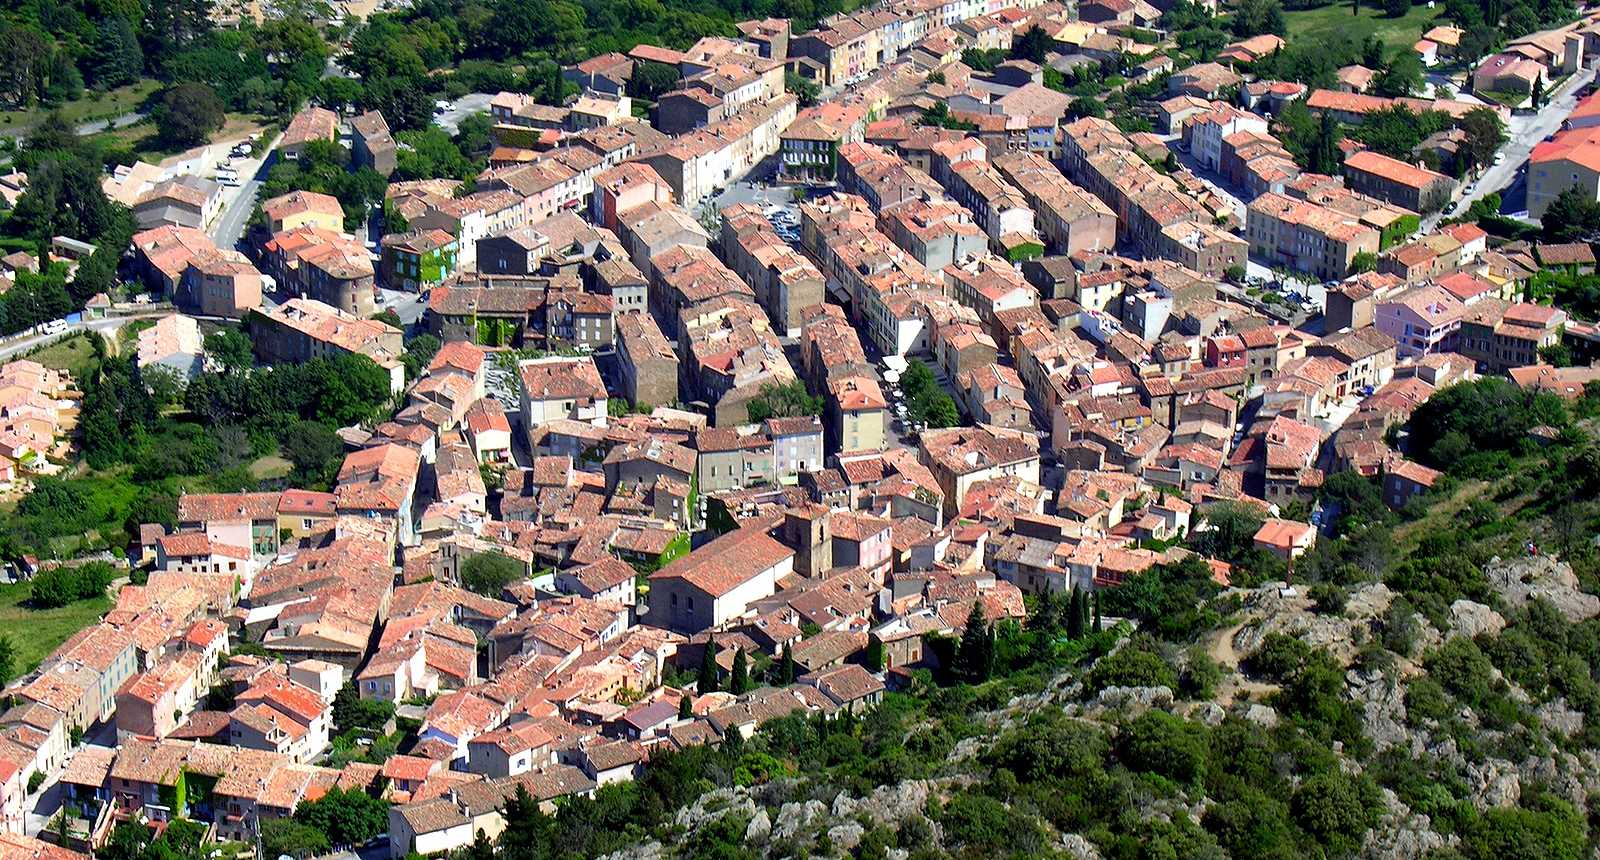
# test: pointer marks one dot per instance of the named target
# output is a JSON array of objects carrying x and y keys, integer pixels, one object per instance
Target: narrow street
[
  {"x": 229, "y": 226},
  {"x": 1525, "y": 131}
]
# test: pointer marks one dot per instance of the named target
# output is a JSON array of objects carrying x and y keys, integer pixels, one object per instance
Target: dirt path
[{"x": 1234, "y": 683}]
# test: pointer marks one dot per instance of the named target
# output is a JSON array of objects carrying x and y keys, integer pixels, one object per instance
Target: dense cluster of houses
[{"x": 607, "y": 334}]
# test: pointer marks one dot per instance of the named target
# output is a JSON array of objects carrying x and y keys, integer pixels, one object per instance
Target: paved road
[
  {"x": 1525, "y": 132},
  {"x": 229, "y": 226},
  {"x": 462, "y": 108},
  {"x": 407, "y": 305},
  {"x": 122, "y": 121},
  {"x": 16, "y": 346}
]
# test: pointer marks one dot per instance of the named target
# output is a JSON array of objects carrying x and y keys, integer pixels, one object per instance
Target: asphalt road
[
  {"x": 460, "y": 109},
  {"x": 228, "y": 228},
  {"x": 17, "y": 346},
  {"x": 1525, "y": 131}
]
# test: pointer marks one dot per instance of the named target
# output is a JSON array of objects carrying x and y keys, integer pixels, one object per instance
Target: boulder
[
  {"x": 1262, "y": 715},
  {"x": 845, "y": 837},
  {"x": 1078, "y": 848},
  {"x": 1135, "y": 700},
  {"x": 759, "y": 828},
  {"x": 1471, "y": 619}
]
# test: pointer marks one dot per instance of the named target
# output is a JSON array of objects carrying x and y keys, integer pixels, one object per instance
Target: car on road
[{"x": 1499, "y": 158}]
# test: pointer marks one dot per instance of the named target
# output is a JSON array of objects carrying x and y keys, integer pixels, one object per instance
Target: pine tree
[
  {"x": 1075, "y": 614},
  {"x": 686, "y": 707},
  {"x": 1097, "y": 613},
  {"x": 707, "y": 682},
  {"x": 733, "y": 743},
  {"x": 739, "y": 683},
  {"x": 1044, "y": 615},
  {"x": 972, "y": 654},
  {"x": 786, "y": 667}
]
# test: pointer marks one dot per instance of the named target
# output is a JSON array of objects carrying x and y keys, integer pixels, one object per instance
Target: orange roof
[
  {"x": 1283, "y": 534},
  {"x": 1392, "y": 169}
]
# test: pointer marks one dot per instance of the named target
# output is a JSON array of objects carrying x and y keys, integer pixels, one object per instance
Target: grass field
[
  {"x": 1329, "y": 23},
  {"x": 93, "y": 106},
  {"x": 270, "y": 466},
  {"x": 34, "y": 633},
  {"x": 143, "y": 140},
  {"x": 75, "y": 355}
]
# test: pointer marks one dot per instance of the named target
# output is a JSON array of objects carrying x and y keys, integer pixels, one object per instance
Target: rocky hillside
[
  {"x": 1462, "y": 745},
  {"x": 1426, "y": 688}
]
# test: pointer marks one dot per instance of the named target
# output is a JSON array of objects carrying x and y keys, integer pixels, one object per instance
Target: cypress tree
[
  {"x": 786, "y": 667},
  {"x": 707, "y": 682},
  {"x": 1075, "y": 614},
  {"x": 1043, "y": 616},
  {"x": 739, "y": 683},
  {"x": 971, "y": 653},
  {"x": 686, "y": 707},
  {"x": 1097, "y": 613}
]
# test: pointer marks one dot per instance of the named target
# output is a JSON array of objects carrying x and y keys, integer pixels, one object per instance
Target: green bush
[{"x": 55, "y": 587}]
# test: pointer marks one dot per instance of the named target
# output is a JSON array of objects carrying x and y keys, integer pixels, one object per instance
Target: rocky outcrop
[
  {"x": 1520, "y": 580},
  {"x": 1402, "y": 834},
  {"x": 1132, "y": 701},
  {"x": 1276, "y": 608},
  {"x": 1471, "y": 619}
]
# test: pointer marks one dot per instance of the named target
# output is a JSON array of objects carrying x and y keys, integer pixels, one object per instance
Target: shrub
[{"x": 59, "y": 586}]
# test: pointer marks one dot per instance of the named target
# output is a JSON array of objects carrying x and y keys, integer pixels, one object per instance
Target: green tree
[
  {"x": 116, "y": 59},
  {"x": 1485, "y": 134},
  {"x": 1552, "y": 829},
  {"x": 128, "y": 841},
  {"x": 1335, "y": 808},
  {"x": 345, "y": 816},
  {"x": 287, "y": 837},
  {"x": 975, "y": 654},
  {"x": 315, "y": 450},
  {"x": 651, "y": 79},
  {"x": 488, "y": 573},
  {"x": 1255, "y": 17},
  {"x": 1158, "y": 742},
  {"x": 419, "y": 354},
  {"x": 1396, "y": 8},
  {"x": 431, "y": 154},
  {"x": 785, "y": 400},
  {"x": 1075, "y": 613},
  {"x": 802, "y": 88},
  {"x": 1403, "y": 75},
  {"x": 1137, "y": 664},
  {"x": 707, "y": 680},
  {"x": 1033, "y": 45},
  {"x": 786, "y": 667},
  {"x": 1537, "y": 97},
  {"x": 188, "y": 114},
  {"x": 686, "y": 707},
  {"x": 353, "y": 713},
  {"x": 739, "y": 677},
  {"x": 1571, "y": 217},
  {"x": 1083, "y": 106},
  {"x": 8, "y": 660},
  {"x": 1363, "y": 261},
  {"x": 231, "y": 349}
]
